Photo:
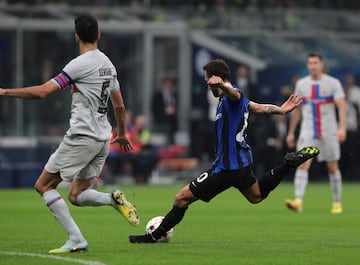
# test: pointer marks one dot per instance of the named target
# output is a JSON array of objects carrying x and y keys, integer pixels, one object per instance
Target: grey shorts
[
  {"x": 78, "y": 157},
  {"x": 329, "y": 148}
]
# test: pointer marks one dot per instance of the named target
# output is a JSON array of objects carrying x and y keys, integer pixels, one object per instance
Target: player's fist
[{"x": 215, "y": 81}]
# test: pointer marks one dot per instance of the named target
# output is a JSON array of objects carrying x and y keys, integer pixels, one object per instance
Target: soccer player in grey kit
[
  {"x": 322, "y": 95},
  {"x": 81, "y": 155}
]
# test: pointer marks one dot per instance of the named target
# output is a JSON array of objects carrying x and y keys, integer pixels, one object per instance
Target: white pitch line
[{"x": 80, "y": 261}]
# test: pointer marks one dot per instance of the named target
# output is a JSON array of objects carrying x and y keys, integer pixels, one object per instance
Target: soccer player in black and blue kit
[{"x": 232, "y": 166}]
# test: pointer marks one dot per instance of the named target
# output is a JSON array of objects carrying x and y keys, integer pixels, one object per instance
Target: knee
[
  {"x": 333, "y": 171},
  {"x": 332, "y": 168},
  {"x": 256, "y": 200},
  {"x": 184, "y": 197},
  {"x": 37, "y": 187},
  {"x": 254, "y": 194},
  {"x": 179, "y": 200},
  {"x": 41, "y": 189},
  {"x": 46, "y": 182},
  {"x": 72, "y": 197}
]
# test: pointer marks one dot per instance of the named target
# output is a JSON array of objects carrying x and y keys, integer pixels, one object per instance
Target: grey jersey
[
  {"x": 93, "y": 78},
  {"x": 318, "y": 109}
]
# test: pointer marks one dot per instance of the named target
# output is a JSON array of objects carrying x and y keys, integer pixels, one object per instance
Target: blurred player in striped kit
[{"x": 321, "y": 94}]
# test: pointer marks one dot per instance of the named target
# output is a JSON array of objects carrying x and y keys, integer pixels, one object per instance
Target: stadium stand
[{"x": 153, "y": 39}]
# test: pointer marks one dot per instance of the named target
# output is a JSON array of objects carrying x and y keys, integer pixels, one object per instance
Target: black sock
[
  {"x": 173, "y": 217},
  {"x": 272, "y": 178}
]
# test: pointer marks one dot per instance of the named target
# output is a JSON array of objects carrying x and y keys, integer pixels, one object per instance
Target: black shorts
[{"x": 210, "y": 184}]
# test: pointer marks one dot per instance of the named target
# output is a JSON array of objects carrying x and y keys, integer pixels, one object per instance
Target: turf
[{"x": 229, "y": 230}]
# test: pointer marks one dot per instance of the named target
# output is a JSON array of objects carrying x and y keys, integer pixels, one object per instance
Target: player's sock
[
  {"x": 271, "y": 179},
  {"x": 173, "y": 217},
  {"x": 61, "y": 212},
  {"x": 336, "y": 186},
  {"x": 300, "y": 183},
  {"x": 92, "y": 197}
]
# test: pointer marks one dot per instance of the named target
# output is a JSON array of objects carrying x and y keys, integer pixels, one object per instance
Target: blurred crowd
[
  {"x": 141, "y": 161},
  {"x": 266, "y": 134},
  {"x": 260, "y": 4}
]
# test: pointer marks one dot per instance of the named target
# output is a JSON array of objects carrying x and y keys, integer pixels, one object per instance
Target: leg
[
  {"x": 47, "y": 181},
  {"x": 182, "y": 200},
  {"x": 335, "y": 184},
  {"x": 81, "y": 195},
  {"x": 184, "y": 197},
  {"x": 253, "y": 194},
  {"x": 84, "y": 158},
  {"x": 300, "y": 184},
  {"x": 46, "y": 186},
  {"x": 291, "y": 161},
  {"x": 78, "y": 186},
  {"x": 301, "y": 178}
]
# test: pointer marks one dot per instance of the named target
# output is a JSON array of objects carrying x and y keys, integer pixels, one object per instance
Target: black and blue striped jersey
[{"x": 231, "y": 150}]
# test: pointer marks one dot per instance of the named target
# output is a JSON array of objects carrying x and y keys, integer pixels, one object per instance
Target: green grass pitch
[{"x": 229, "y": 230}]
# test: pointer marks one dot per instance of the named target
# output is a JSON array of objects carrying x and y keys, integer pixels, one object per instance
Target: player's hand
[
  {"x": 2, "y": 92},
  {"x": 215, "y": 82},
  {"x": 124, "y": 142},
  {"x": 290, "y": 140},
  {"x": 291, "y": 103}
]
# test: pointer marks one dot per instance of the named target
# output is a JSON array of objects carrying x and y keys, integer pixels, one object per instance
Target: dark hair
[
  {"x": 219, "y": 68},
  {"x": 314, "y": 54},
  {"x": 86, "y": 27}
]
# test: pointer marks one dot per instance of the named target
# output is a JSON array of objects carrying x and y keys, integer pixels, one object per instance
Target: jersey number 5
[{"x": 104, "y": 97}]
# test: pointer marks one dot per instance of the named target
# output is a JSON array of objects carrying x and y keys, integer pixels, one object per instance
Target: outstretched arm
[
  {"x": 289, "y": 105},
  {"x": 32, "y": 92}
]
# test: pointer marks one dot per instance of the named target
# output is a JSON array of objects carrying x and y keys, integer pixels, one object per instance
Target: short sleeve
[
  {"x": 73, "y": 69},
  {"x": 115, "y": 85}
]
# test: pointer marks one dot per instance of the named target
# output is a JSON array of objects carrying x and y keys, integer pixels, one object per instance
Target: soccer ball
[{"x": 154, "y": 223}]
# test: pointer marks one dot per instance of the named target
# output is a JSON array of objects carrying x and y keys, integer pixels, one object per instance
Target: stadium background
[{"x": 148, "y": 40}]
